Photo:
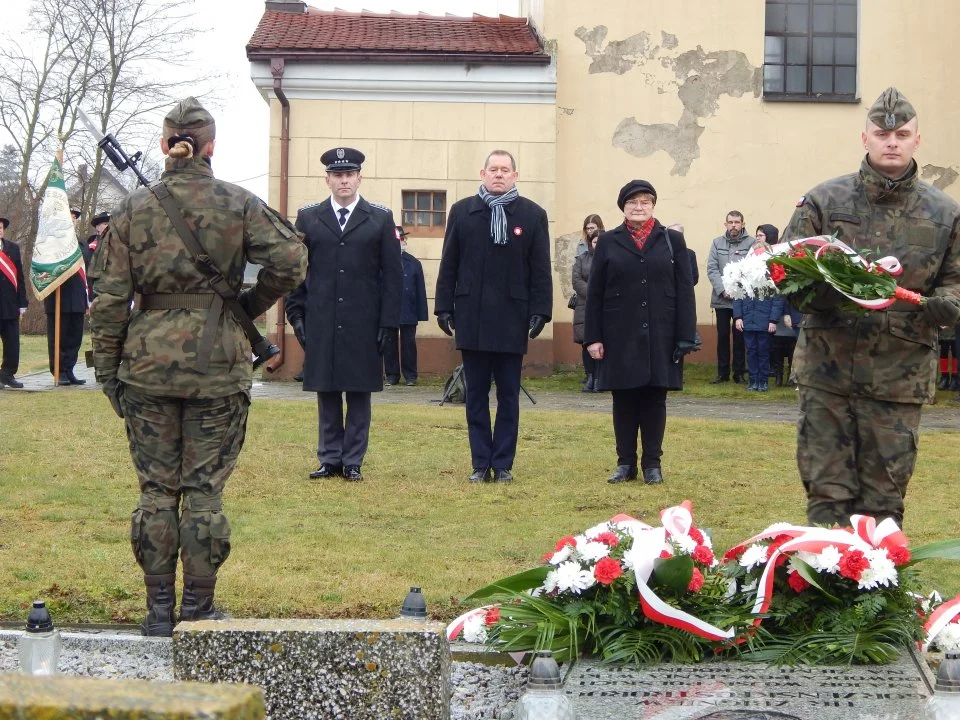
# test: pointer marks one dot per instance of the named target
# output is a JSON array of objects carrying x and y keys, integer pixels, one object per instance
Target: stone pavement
[{"x": 678, "y": 404}]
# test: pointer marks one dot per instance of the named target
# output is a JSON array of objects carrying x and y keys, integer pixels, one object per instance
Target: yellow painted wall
[{"x": 415, "y": 146}]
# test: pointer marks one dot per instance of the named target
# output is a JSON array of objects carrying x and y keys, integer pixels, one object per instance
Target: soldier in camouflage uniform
[
  {"x": 863, "y": 378},
  {"x": 179, "y": 377}
]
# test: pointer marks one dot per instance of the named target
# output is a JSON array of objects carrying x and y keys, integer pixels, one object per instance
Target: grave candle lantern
[
  {"x": 414, "y": 605},
  {"x": 40, "y": 645},
  {"x": 945, "y": 703},
  {"x": 544, "y": 698}
]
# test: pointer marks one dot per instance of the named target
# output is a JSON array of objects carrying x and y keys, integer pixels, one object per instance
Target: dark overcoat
[
  {"x": 73, "y": 292},
  {"x": 492, "y": 290},
  {"x": 353, "y": 286},
  {"x": 11, "y": 300},
  {"x": 581, "y": 274},
  {"x": 413, "y": 303},
  {"x": 639, "y": 304}
]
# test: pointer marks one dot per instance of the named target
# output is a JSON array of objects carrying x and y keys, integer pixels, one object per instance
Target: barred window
[
  {"x": 424, "y": 212},
  {"x": 810, "y": 50}
]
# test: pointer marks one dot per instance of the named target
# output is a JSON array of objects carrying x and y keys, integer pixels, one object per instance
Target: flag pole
[{"x": 56, "y": 317}]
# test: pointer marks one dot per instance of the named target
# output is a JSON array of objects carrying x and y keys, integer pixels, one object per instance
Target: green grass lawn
[{"x": 324, "y": 549}]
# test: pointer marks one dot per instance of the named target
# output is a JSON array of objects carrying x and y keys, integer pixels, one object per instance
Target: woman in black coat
[
  {"x": 592, "y": 227},
  {"x": 641, "y": 320}
]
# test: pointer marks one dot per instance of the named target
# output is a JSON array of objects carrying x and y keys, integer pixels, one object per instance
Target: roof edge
[{"x": 400, "y": 56}]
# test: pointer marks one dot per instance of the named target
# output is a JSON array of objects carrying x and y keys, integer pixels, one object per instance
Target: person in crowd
[
  {"x": 346, "y": 310},
  {"x": 100, "y": 223},
  {"x": 495, "y": 290},
  {"x": 732, "y": 246},
  {"x": 784, "y": 339},
  {"x": 757, "y": 319},
  {"x": 641, "y": 319},
  {"x": 400, "y": 354},
  {"x": 694, "y": 269},
  {"x": 592, "y": 227},
  {"x": 949, "y": 380},
  {"x": 863, "y": 377},
  {"x": 13, "y": 303},
  {"x": 178, "y": 368}
]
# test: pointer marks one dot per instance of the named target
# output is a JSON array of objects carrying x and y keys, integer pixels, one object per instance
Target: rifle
[{"x": 263, "y": 350}]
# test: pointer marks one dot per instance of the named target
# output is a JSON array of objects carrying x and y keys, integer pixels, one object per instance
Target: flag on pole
[{"x": 56, "y": 253}]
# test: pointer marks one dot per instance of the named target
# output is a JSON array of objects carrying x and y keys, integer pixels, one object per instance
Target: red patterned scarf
[{"x": 640, "y": 233}]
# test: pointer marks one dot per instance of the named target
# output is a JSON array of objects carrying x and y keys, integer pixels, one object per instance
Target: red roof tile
[{"x": 342, "y": 34}]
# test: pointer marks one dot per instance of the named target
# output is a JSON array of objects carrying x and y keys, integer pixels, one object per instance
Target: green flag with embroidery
[{"x": 56, "y": 253}]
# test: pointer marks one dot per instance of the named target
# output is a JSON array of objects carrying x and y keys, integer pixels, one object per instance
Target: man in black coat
[
  {"x": 13, "y": 301},
  {"x": 402, "y": 356},
  {"x": 343, "y": 313},
  {"x": 495, "y": 289},
  {"x": 74, "y": 302}
]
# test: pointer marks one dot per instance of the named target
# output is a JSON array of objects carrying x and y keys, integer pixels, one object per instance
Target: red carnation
[
  {"x": 608, "y": 538},
  {"x": 777, "y": 273},
  {"x": 798, "y": 253},
  {"x": 696, "y": 581},
  {"x": 702, "y": 554},
  {"x": 664, "y": 554},
  {"x": 696, "y": 536},
  {"x": 492, "y": 617},
  {"x": 898, "y": 554},
  {"x": 607, "y": 570},
  {"x": 797, "y": 582},
  {"x": 852, "y": 564},
  {"x": 733, "y": 553},
  {"x": 563, "y": 542}
]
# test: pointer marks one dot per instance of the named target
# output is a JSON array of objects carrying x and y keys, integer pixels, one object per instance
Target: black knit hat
[
  {"x": 635, "y": 187},
  {"x": 5, "y": 222}
]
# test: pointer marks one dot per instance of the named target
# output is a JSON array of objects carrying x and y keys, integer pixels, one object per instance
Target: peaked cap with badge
[
  {"x": 343, "y": 159},
  {"x": 891, "y": 110},
  {"x": 103, "y": 217}
]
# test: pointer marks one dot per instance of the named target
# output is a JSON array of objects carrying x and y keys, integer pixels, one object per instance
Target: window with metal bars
[
  {"x": 424, "y": 212},
  {"x": 810, "y": 50}
]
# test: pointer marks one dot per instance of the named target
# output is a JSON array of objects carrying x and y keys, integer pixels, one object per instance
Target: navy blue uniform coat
[
  {"x": 639, "y": 304},
  {"x": 413, "y": 304},
  {"x": 492, "y": 290},
  {"x": 12, "y": 300},
  {"x": 353, "y": 288}
]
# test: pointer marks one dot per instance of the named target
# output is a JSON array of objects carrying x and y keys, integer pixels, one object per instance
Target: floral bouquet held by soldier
[{"x": 800, "y": 269}]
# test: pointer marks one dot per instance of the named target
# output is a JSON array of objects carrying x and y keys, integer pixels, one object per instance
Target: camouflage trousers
[
  {"x": 183, "y": 451},
  {"x": 855, "y": 455}
]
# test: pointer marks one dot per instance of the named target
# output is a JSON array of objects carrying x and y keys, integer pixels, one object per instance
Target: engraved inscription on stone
[{"x": 748, "y": 715}]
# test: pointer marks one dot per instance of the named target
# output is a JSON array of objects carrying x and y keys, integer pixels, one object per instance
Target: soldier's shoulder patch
[
  {"x": 381, "y": 208},
  {"x": 801, "y": 201},
  {"x": 311, "y": 205}
]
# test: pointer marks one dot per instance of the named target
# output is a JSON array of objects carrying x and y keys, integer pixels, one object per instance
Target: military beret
[
  {"x": 635, "y": 187},
  {"x": 103, "y": 217},
  {"x": 187, "y": 115},
  {"x": 342, "y": 159},
  {"x": 6, "y": 223},
  {"x": 75, "y": 212},
  {"x": 891, "y": 110}
]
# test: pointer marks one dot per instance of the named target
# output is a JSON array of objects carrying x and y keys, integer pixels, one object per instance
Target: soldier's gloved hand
[
  {"x": 941, "y": 311},
  {"x": 445, "y": 321},
  {"x": 537, "y": 324},
  {"x": 113, "y": 389},
  {"x": 299, "y": 330},
  {"x": 383, "y": 337}
]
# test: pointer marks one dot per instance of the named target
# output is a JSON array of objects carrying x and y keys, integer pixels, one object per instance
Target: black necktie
[{"x": 343, "y": 216}]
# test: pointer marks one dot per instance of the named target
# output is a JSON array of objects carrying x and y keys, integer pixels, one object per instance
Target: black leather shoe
[
  {"x": 623, "y": 473},
  {"x": 326, "y": 470},
  {"x": 719, "y": 379},
  {"x": 502, "y": 476},
  {"x": 74, "y": 380},
  {"x": 652, "y": 476},
  {"x": 10, "y": 381},
  {"x": 352, "y": 473},
  {"x": 63, "y": 381},
  {"x": 411, "y": 383},
  {"x": 391, "y": 381},
  {"x": 480, "y": 475},
  {"x": 739, "y": 380}
]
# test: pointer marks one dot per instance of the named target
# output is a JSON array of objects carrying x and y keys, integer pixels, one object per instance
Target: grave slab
[
  {"x": 356, "y": 669},
  {"x": 737, "y": 690}
]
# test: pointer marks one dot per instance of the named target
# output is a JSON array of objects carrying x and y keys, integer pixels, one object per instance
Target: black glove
[
  {"x": 537, "y": 324},
  {"x": 445, "y": 321},
  {"x": 113, "y": 389},
  {"x": 940, "y": 311},
  {"x": 383, "y": 337},
  {"x": 299, "y": 330},
  {"x": 684, "y": 347}
]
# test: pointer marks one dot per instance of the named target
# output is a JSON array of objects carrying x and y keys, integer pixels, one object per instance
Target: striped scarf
[{"x": 498, "y": 218}]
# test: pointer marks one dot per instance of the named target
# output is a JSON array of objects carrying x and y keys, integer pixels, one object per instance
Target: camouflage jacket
[
  {"x": 892, "y": 354},
  {"x": 156, "y": 351}
]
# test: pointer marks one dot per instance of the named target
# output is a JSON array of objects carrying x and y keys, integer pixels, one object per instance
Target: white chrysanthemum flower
[
  {"x": 572, "y": 577},
  {"x": 475, "y": 629},
  {"x": 685, "y": 543},
  {"x": 561, "y": 555},
  {"x": 748, "y": 278},
  {"x": 778, "y": 527},
  {"x": 948, "y": 639},
  {"x": 808, "y": 557},
  {"x": 597, "y": 529},
  {"x": 535, "y": 592},
  {"x": 793, "y": 566},
  {"x": 639, "y": 561},
  {"x": 550, "y": 582},
  {"x": 828, "y": 560},
  {"x": 882, "y": 571},
  {"x": 753, "y": 556},
  {"x": 731, "y": 589},
  {"x": 591, "y": 551}
]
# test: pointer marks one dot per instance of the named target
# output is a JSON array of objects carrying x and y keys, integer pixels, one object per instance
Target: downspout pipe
[{"x": 277, "y": 66}]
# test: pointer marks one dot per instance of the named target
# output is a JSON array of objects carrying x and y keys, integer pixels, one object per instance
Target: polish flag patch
[
  {"x": 801, "y": 201},
  {"x": 518, "y": 231}
]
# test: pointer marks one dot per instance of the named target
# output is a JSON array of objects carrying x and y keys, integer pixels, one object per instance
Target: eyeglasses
[{"x": 640, "y": 202}]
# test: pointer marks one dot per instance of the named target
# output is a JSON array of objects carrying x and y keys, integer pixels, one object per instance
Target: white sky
[{"x": 243, "y": 120}]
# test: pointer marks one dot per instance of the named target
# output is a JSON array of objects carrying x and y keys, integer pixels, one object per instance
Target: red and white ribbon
[
  {"x": 455, "y": 629},
  {"x": 939, "y": 619}
]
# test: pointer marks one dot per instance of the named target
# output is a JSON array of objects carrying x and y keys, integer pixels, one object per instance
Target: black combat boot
[
  {"x": 955, "y": 383},
  {"x": 944, "y": 383},
  {"x": 197, "y": 600},
  {"x": 160, "y": 605}
]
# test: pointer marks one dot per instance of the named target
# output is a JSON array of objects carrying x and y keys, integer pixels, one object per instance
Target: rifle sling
[{"x": 226, "y": 295}]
